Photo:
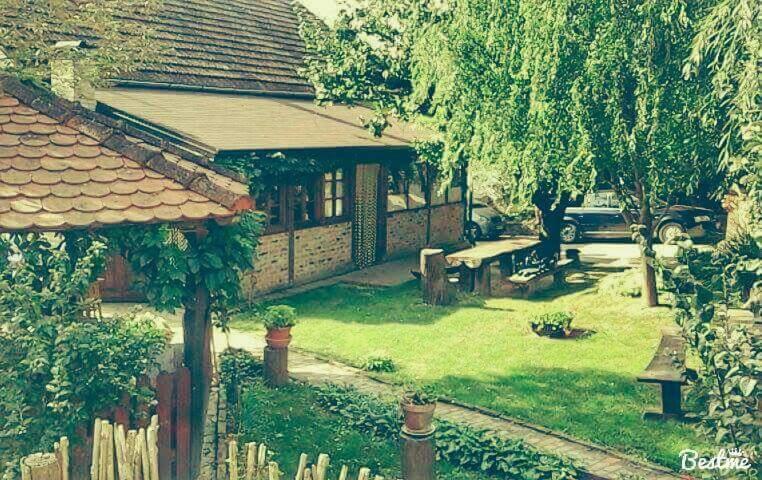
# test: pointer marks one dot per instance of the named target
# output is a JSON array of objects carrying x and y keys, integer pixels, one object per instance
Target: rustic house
[{"x": 337, "y": 198}]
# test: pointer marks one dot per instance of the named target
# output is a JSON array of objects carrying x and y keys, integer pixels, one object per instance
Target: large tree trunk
[
  {"x": 650, "y": 295},
  {"x": 550, "y": 215}
]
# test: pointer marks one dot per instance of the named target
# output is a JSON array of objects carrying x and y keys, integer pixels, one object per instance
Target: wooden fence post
[
  {"x": 417, "y": 456},
  {"x": 41, "y": 466},
  {"x": 276, "y": 366}
]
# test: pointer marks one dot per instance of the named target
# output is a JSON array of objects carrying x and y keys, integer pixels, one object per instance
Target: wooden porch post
[{"x": 197, "y": 337}]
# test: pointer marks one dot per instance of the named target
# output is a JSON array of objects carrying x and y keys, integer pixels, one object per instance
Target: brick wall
[
  {"x": 270, "y": 267},
  {"x": 406, "y": 230},
  {"x": 322, "y": 251},
  {"x": 447, "y": 224}
]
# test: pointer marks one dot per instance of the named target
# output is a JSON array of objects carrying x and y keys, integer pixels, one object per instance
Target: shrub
[
  {"x": 379, "y": 364},
  {"x": 477, "y": 450},
  {"x": 237, "y": 367},
  {"x": 417, "y": 395},
  {"x": 59, "y": 368},
  {"x": 553, "y": 324},
  {"x": 279, "y": 316}
]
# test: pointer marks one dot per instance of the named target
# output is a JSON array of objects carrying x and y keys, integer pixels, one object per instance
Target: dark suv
[{"x": 601, "y": 217}]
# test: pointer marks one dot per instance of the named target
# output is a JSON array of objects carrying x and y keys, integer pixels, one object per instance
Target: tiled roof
[
  {"x": 63, "y": 167},
  {"x": 227, "y": 44},
  {"x": 254, "y": 122}
]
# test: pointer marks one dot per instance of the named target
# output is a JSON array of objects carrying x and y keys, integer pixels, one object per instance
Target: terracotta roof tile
[{"x": 56, "y": 171}]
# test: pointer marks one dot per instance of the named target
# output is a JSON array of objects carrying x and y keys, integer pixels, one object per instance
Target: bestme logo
[{"x": 724, "y": 460}]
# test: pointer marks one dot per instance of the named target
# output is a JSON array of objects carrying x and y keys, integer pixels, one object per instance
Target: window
[
  {"x": 333, "y": 194},
  {"x": 269, "y": 200},
  {"x": 397, "y": 194},
  {"x": 304, "y": 202}
]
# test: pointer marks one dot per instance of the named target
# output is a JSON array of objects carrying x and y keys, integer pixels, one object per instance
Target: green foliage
[
  {"x": 279, "y": 316},
  {"x": 237, "y": 367},
  {"x": 729, "y": 357},
  {"x": 419, "y": 395},
  {"x": 466, "y": 447},
  {"x": 552, "y": 324},
  {"x": 168, "y": 261},
  {"x": 28, "y": 40},
  {"x": 60, "y": 369},
  {"x": 379, "y": 364}
]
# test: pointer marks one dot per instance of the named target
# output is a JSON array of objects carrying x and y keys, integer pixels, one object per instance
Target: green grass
[
  {"x": 483, "y": 352},
  {"x": 290, "y": 422}
]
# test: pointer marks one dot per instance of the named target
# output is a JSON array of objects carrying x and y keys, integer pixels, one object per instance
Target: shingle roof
[
  {"x": 64, "y": 167},
  {"x": 250, "y": 122},
  {"x": 227, "y": 44}
]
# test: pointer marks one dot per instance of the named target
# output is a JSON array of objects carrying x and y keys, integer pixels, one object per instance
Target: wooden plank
[
  {"x": 490, "y": 251},
  {"x": 96, "y": 458},
  {"x": 182, "y": 429},
  {"x": 165, "y": 399}
]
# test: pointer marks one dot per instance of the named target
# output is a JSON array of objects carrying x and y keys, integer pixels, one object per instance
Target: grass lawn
[
  {"x": 290, "y": 422},
  {"x": 483, "y": 352}
]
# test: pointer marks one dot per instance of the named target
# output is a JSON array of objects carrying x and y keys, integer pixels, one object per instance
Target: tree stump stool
[
  {"x": 276, "y": 366},
  {"x": 434, "y": 282},
  {"x": 417, "y": 456}
]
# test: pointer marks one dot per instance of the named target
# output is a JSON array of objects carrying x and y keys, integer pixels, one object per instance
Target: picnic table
[{"x": 475, "y": 263}]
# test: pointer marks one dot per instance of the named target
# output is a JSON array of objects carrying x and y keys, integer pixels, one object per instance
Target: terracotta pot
[
  {"x": 418, "y": 418},
  {"x": 278, "y": 337}
]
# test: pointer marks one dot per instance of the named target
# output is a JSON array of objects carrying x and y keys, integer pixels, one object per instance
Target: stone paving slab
[{"x": 598, "y": 462}]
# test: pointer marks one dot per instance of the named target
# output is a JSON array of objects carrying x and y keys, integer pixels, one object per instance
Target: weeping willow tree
[{"x": 493, "y": 79}]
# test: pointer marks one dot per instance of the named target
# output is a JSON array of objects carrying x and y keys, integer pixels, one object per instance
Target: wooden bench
[
  {"x": 530, "y": 280},
  {"x": 667, "y": 369}
]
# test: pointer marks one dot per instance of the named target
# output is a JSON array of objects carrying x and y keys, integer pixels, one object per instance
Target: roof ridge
[{"x": 110, "y": 133}]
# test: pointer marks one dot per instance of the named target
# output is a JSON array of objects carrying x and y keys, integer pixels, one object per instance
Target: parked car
[
  {"x": 600, "y": 216},
  {"x": 485, "y": 223}
]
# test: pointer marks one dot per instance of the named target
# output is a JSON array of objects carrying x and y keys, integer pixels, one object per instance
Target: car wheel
[
  {"x": 569, "y": 232},
  {"x": 473, "y": 232},
  {"x": 669, "y": 231}
]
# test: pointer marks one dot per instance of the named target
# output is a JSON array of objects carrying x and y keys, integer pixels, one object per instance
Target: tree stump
[
  {"x": 434, "y": 283},
  {"x": 417, "y": 457},
  {"x": 41, "y": 466},
  {"x": 276, "y": 366}
]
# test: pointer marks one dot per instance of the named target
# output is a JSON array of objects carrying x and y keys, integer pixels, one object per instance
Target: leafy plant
[
  {"x": 725, "y": 385},
  {"x": 379, "y": 364},
  {"x": 60, "y": 368},
  {"x": 477, "y": 450},
  {"x": 238, "y": 366},
  {"x": 553, "y": 324},
  {"x": 419, "y": 395},
  {"x": 279, "y": 316}
]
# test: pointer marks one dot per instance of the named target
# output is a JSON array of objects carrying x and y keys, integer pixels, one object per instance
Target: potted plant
[
  {"x": 553, "y": 324},
  {"x": 278, "y": 320},
  {"x": 418, "y": 405}
]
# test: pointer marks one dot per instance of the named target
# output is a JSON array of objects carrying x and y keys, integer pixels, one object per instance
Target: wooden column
[
  {"x": 276, "y": 366},
  {"x": 434, "y": 283},
  {"x": 197, "y": 337},
  {"x": 417, "y": 457}
]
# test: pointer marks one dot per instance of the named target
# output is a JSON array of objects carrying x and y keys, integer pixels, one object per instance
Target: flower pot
[
  {"x": 418, "y": 418},
  {"x": 278, "y": 337}
]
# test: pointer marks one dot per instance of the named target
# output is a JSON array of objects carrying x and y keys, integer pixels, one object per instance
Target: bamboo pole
[
  {"x": 233, "y": 460},
  {"x": 251, "y": 460},
  {"x": 364, "y": 474},
  {"x": 262, "y": 456},
  {"x": 153, "y": 451},
  {"x": 95, "y": 461},
  {"x": 103, "y": 449},
  {"x": 322, "y": 466},
  {"x": 274, "y": 471},
  {"x": 121, "y": 452},
  {"x": 344, "y": 473},
  {"x": 145, "y": 464},
  {"x": 61, "y": 449},
  {"x": 110, "y": 442},
  {"x": 300, "y": 468},
  {"x": 129, "y": 453},
  {"x": 308, "y": 474}
]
